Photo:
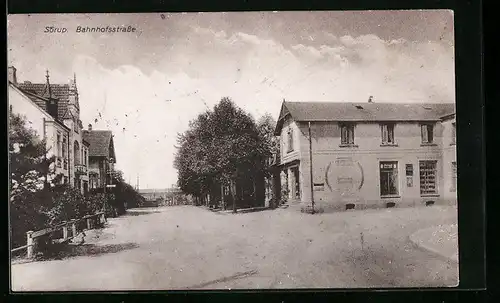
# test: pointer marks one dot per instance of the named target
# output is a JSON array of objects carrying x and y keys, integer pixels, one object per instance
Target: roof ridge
[{"x": 365, "y": 102}]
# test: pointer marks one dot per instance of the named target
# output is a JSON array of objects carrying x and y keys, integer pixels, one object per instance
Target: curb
[{"x": 432, "y": 251}]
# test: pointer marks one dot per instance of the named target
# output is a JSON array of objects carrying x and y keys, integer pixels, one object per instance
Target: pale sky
[{"x": 148, "y": 85}]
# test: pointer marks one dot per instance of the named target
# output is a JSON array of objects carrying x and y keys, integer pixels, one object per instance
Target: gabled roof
[
  {"x": 41, "y": 102},
  {"x": 358, "y": 112},
  {"x": 58, "y": 91},
  {"x": 101, "y": 143}
]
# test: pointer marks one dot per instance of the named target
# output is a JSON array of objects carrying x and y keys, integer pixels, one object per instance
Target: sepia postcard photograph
[{"x": 232, "y": 151}]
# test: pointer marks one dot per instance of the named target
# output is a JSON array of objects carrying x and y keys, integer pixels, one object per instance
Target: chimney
[
  {"x": 90, "y": 126},
  {"x": 12, "y": 75},
  {"x": 370, "y": 100}
]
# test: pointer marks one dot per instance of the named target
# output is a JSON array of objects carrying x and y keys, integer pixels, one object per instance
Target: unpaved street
[{"x": 186, "y": 247}]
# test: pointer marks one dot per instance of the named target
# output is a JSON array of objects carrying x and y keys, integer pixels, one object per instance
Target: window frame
[
  {"x": 290, "y": 140},
  {"x": 393, "y": 175},
  {"x": 347, "y": 132},
  {"x": 425, "y": 191},
  {"x": 424, "y": 135},
  {"x": 386, "y": 129}
]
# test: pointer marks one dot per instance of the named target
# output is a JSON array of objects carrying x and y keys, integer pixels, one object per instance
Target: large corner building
[{"x": 366, "y": 154}]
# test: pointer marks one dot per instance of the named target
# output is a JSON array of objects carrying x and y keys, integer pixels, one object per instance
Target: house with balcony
[
  {"x": 363, "y": 155},
  {"x": 42, "y": 118},
  {"x": 101, "y": 157},
  {"x": 53, "y": 111}
]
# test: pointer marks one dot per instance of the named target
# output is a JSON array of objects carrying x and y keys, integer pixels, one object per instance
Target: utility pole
[
  {"x": 311, "y": 167},
  {"x": 105, "y": 185}
]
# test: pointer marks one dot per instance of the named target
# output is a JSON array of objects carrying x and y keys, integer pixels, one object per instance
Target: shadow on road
[
  {"x": 240, "y": 275},
  {"x": 140, "y": 213},
  {"x": 69, "y": 251}
]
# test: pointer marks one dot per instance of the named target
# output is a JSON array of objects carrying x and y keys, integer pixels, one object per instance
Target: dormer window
[
  {"x": 388, "y": 134},
  {"x": 347, "y": 134},
  {"x": 76, "y": 126},
  {"x": 427, "y": 132},
  {"x": 290, "y": 140}
]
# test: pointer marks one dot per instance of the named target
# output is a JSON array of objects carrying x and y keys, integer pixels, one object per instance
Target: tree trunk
[
  {"x": 233, "y": 194},
  {"x": 254, "y": 192},
  {"x": 222, "y": 196}
]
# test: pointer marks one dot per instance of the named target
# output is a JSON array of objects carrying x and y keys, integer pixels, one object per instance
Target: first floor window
[
  {"x": 389, "y": 178},
  {"x": 387, "y": 133},
  {"x": 63, "y": 149},
  {"x": 427, "y": 132},
  {"x": 290, "y": 140},
  {"x": 428, "y": 172},
  {"x": 59, "y": 147},
  {"x": 453, "y": 176},
  {"x": 346, "y": 134}
]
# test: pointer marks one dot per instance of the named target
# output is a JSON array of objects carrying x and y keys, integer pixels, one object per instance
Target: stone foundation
[{"x": 327, "y": 207}]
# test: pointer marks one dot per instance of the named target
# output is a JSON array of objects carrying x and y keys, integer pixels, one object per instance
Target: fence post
[
  {"x": 65, "y": 231},
  {"x": 29, "y": 242},
  {"x": 73, "y": 228}
]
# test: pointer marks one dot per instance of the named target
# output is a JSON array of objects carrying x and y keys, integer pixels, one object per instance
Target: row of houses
[
  {"x": 362, "y": 155},
  {"x": 84, "y": 157}
]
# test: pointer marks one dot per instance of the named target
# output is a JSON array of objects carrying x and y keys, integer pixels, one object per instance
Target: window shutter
[
  {"x": 384, "y": 133},
  {"x": 390, "y": 133},
  {"x": 424, "y": 133}
]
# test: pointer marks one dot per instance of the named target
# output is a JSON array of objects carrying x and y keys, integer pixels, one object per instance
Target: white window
[
  {"x": 346, "y": 134},
  {"x": 453, "y": 177},
  {"x": 387, "y": 133},
  {"x": 389, "y": 178},
  {"x": 59, "y": 147},
  {"x": 290, "y": 140},
  {"x": 427, "y": 131},
  {"x": 428, "y": 173}
]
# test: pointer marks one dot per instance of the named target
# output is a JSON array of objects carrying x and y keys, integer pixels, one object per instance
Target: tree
[
  {"x": 31, "y": 178},
  {"x": 223, "y": 146}
]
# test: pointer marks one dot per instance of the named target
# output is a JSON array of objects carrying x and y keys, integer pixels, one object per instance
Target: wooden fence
[{"x": 63, "y": 232}]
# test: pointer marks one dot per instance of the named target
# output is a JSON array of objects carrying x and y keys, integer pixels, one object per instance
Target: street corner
[{"x": 440, "y": 240}]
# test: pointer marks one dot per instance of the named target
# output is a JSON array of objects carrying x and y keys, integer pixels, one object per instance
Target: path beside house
[{"x": 186, "y": 247}]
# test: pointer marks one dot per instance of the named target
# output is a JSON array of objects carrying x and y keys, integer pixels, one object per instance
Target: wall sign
[
  {"x": 409, "y": 175},
  {"x": 409, "y": 181}
]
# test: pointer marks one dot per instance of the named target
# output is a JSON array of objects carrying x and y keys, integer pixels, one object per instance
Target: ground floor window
[
  {"x": 453, "y": 176},
  {"x": 389, "y": 178},
  {"x": 85, "y": 187},
  {"x": 428, "y": 172}
]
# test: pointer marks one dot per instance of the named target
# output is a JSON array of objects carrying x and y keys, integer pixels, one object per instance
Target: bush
[
  {"x": 25, "y": 216},
  {"x": 95, "y": 202}
]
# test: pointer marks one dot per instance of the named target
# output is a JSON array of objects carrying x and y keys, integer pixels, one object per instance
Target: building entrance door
[{"x": 295, "y": 183}]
